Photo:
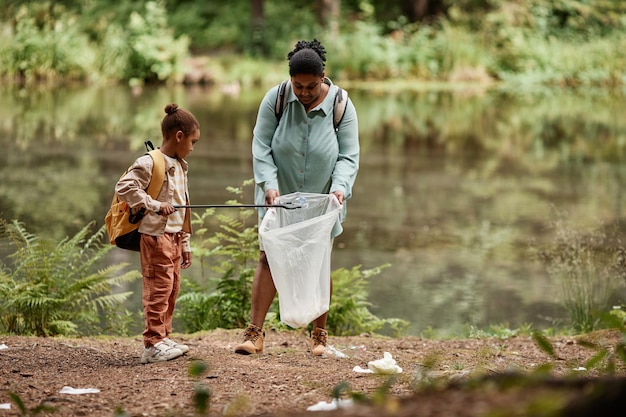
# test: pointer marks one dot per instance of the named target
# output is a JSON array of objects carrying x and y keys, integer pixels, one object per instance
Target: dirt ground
[{"x": 474, "y": 377}]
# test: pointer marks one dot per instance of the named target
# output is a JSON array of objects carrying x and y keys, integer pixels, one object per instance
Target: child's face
[{"x": 184, "y": 143}]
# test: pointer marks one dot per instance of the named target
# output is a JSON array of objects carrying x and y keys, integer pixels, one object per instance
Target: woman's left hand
[{"x": 339, "y": 196}]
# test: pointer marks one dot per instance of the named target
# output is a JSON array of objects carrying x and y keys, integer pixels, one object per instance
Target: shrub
[
  {"x": 44, "y": 47},
  {"x": 233, "y": 253},
  {"x": 349, "y": 309},
  {"x": 55, "y": 288},
  {"x": 590, "y": 268},
  {"x": 155, "y": 55}
]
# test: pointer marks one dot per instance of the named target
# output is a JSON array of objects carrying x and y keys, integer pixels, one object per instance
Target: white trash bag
[{"x": 298, "y": 246}]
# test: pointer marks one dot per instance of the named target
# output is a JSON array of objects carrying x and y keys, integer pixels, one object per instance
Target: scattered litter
[
  {"x": 3, "y": 346},
  {"x": 70, "y": 390},
  {"x": 333, "y": 405},
  {"x": 332, "y": 351},
  {"x": 581, "y": 368},
  {"x": 5, "y": 406},
  {"x": 362, "y": 348},
  {"x": 362, "y": 370},
  {"x": 387, "y": 365}
]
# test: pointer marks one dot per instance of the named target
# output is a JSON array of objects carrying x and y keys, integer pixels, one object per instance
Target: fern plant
[
  {"x": 232, "y": 253},
  {"x": 56, "y": 288},
  {"x": 350, "y": 310}
]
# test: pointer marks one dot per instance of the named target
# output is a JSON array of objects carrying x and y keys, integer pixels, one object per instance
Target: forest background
[
  {"x": 535, "y": 42},
  {"x": 241, "y": 44}
]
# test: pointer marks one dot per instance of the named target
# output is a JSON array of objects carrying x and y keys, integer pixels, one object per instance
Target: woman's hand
[
  {"x": 339, "y": 195},
  {"x": 270, "y": 196}
]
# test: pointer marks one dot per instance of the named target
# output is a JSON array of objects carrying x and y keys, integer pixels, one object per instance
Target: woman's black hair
[{"x": 307, "y": 58}]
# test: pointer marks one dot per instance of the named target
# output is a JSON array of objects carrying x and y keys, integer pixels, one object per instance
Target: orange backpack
[{"x": 121, "y": 222}]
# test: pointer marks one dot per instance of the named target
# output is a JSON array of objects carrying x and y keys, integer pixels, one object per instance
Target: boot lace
[
  {"x": 252, "y": 333},
  {"x": 319, "y": 337}
]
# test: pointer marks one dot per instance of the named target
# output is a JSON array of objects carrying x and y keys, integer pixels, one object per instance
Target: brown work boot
[
  {"x": 318, "y": 341},
  {"x": 252, "y": 341}
]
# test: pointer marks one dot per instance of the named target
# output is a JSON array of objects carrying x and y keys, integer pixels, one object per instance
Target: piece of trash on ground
[
  {"x": 3, "y": 346},
  {"x": 70, "y": 390},
  {"x": 581, "y": 368},
  {"x": 5, "y": 406},
  {"x": 362, "y": 370},
  {"x": 332, "y": 351},
  {"x": 387, "y": 365},
  {"x": 333, "y": 405}
]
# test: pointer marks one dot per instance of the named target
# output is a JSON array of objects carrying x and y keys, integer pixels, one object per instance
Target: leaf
[
  {"x": 19, "y": 403},
  {"x": 543, "y": 343}
]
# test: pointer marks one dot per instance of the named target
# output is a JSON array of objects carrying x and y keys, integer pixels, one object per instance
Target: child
[{"x": 165, "y": 231}]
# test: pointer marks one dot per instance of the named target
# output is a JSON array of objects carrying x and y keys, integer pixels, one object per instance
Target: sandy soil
[{"x": 439, "y": 378}]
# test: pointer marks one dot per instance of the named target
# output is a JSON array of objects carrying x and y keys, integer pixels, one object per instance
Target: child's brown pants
[{"x": 160, "y": 268}]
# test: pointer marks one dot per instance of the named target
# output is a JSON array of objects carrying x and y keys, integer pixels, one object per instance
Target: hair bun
[{"x": 171, "y": 108}]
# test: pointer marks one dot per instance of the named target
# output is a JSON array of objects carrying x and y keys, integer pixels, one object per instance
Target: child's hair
[
  {"x": 177, "y": 119},
  {"x": 307, "y": 58}
]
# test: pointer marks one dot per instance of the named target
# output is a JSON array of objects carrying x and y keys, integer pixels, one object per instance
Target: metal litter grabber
[{"x": 287, "y": 206}]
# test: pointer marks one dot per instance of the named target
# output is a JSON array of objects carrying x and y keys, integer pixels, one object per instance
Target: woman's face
[{"x": 307, "y": 87}]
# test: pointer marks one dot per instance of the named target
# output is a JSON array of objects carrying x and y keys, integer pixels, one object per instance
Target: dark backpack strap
[
  {"x": 281, "y": 99},
  {"x": 149, "y": 145},
  {"x": 339, "y": 109}
]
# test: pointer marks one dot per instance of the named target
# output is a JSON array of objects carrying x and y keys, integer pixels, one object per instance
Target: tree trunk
[
  {"x": 328, "y": 14},
  {"x": 258, "y": 23},
  {"x": 420, "y": 10}
]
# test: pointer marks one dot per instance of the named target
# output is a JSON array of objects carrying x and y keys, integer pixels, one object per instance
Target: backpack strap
[
  {"x": 339, "y": 107},
  {"x": 281, "y": 99},
  {"x": 158, "y": 173}
]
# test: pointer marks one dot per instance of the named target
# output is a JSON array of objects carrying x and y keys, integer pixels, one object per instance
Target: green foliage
[
  {"x": 202, "y": 393},
  {"x": 590, "y": 268},
  {"x": 26, "y": 412},
  {"x": 565, "y": 42},
  {"x": 51, "y": 42},
  {"x": 543, "y": 343},
  {"x": 233, "y": 253},
  {"x": 56, "y": 288},
  {"x": 349, "y": 312},
  {"x": 155, "y": 54},
  {"x": 42, "y": 46}
]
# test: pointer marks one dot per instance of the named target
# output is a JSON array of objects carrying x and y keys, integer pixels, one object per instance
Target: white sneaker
[
  {"x": 171, "y": 343},
  {"x": 160, "y": 352}
]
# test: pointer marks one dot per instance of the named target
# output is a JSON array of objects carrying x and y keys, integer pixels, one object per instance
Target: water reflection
[{"x": 454, "y": 189}]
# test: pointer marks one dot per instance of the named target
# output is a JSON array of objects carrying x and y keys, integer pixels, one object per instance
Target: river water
[{"x": 458, "y": 189}]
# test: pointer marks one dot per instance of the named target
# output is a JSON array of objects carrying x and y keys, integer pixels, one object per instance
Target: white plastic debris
[
  {"x": 362, "y": 370},
  {"x": 77, "y": 391},
  {"x": 5, "y": 406},
  {"x": 333, "y": 405},
  {"x": 3, "y": 346},
  {"x": 332, "y": 351},
  {"x": 580, "y": 368},
  {"x": 387, "y": 365}
]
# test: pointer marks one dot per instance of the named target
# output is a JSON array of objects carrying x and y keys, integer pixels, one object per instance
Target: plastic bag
[{"x": 298, "y": 247}]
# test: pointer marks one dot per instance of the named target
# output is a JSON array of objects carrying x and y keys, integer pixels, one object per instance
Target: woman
[{"x": 300, "y": 150}]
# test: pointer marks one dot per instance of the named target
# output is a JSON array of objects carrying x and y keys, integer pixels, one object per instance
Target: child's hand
[
  {"x": 166, "y": 209},
  {"x": 186, "y": 263}
]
